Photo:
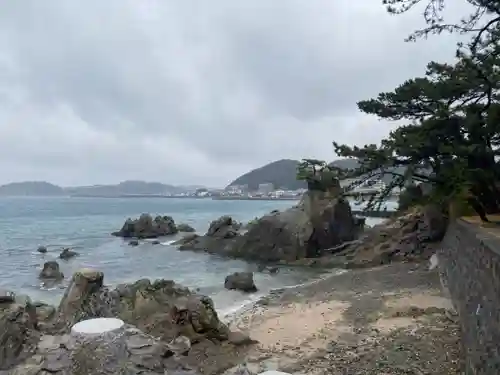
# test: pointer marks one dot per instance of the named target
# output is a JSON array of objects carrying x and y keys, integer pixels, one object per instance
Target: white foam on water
[{"x": 167, "y": 243}]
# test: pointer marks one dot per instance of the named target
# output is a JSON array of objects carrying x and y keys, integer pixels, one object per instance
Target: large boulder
[
  {"x": 67, "y": 253},
  {"x": 51, "y": 271},
  {"x": 83, "y": 299},
  {"x": 223, "y": 227},
  {"x": 321, "y": 220},
  {"x": 18, "y": 330},
  {"x": 42, "y": 249},
  {"x": 161, "y": 308},
  {"x": 218, "y": 239},
  {"x": 147, "y": 227},
  {"x": 240, "y": 281}
]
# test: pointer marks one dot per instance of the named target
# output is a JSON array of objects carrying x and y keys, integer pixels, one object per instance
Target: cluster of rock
[
  {"x": 34, "y": 337},
  {"x": 319, "y": 231},
  {"x": 409, "y": 237},
  {"x": 322, "y": 232},
  {"x": 320, "y": 221},
  {"x": 148, "y": 227},
  {"x": 66, "y": 252}
]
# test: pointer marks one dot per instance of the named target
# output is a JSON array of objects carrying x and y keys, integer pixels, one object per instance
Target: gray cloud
[{"x": 190, "y": 91}]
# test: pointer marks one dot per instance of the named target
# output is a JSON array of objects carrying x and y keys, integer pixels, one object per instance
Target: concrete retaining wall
[{"x": 469, "y": 261}]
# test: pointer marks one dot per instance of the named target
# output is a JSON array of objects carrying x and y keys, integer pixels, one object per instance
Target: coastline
[
  {"x": 351, "y": 321},
  {"x": 230, "y": 314}
]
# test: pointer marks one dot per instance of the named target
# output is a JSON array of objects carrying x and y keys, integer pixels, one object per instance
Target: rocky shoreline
[
  {"x": 360, "y": 321},
  {"x": 319, "y": 232}
]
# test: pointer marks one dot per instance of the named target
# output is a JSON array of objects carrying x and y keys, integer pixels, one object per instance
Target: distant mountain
[
  {"x": 31, "y": 188},
  {"x": 41, "y": 188},
  {"x": 281, "y": 173},
  {"x": 126, "y": 188}
]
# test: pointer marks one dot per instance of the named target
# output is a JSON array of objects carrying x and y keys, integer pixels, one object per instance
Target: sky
[{"x": 193, "y": 92}]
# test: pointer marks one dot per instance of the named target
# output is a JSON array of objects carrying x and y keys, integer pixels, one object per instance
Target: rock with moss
[
  {"x": 19, "y": 334},
  {"x": 161, "y": 308},
  {"x": 147, "y": 227}
]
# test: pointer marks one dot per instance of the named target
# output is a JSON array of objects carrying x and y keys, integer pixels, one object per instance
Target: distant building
[
  {"x": 265, "y": 189},
  {"x": 237, "y": 189}
]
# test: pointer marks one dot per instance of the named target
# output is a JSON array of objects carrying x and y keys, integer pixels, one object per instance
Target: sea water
[{"x": 85, "y": 224}]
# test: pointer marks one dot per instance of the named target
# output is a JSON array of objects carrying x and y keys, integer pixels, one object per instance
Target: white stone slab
[{"x": 97, "y": 326}]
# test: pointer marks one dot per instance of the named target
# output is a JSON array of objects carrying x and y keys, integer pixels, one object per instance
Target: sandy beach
[{"x": 386, "y": 320}]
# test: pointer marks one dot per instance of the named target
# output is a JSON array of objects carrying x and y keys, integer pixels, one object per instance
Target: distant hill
[
  {"x": 41, "y": 188},
  {"x": 31, "y": 188},
  {"x": 281, "y": 173},
  {"x": 128, "y": 188}
]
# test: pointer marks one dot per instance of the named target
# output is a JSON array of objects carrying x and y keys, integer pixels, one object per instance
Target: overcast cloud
[{"x": 183, "y": 92}]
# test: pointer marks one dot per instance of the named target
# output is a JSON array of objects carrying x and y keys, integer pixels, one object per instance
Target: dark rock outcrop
[
  {"x": 34, "y": 336},
  {"x": 42, "y": 249},
  {"x": 161, "y": 308},
  {"x": 133, "y": 243},
  {"x": 185, "y": 228},
  {"x": 51, "y": 271},
  {"x": 224, "y": 227},
  {"x": 240, "y": 281},
  {"x": 219, "y": 238},
  {"x": 67, "y": 253},
  {"x": 409, "y": 237},
  {"x": 147, "y": 227},
  {"x": 320, "y": 221},
  {"x": 18, "y": 331}
]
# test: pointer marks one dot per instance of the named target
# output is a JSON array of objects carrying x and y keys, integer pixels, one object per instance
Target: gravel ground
[{"x": 385, "y": 320}]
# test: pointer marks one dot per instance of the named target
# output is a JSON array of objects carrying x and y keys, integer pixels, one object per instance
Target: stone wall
[{"x": 469, "y": 261}]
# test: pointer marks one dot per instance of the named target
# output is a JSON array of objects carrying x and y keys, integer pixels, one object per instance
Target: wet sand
[{"x": 386, "y": 320}]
